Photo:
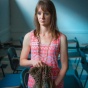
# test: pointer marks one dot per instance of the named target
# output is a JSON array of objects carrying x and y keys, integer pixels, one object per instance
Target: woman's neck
[{"x": 44, "y": 31}]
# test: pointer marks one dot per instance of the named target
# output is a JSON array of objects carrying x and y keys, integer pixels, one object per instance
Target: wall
[
  {"x": 4, "y": 21},
  {"x": 72, "y": 16},
  {"x": 22, "y": 12}
]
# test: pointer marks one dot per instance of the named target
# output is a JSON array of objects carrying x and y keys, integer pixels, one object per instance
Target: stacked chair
[
  {"x": 72, "y": 77},
  {"x": 80, "y": 57},
  {"x": 73, "y": 51},
  {"x": 14, "y": 60},
  {"x": 12, "y": 80},
  {"x": 84, "y": 69}
]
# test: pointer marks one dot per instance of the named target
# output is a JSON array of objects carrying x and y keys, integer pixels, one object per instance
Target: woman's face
[{"x": 43, "y": 17}]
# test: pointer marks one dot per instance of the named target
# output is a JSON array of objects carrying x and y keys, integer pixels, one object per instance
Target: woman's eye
[
  {"x": 46, "y": 13},
  {"x": 39, "y": 13}
]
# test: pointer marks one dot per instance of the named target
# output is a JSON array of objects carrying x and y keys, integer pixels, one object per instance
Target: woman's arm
[
  {"x": 25, "y": 51},
  {"x": 64, "y": 59}
]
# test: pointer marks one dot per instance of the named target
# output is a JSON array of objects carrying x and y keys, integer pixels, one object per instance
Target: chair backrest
[
  {"x": 74, "y": 43},
  {"x": 12, "y": 52},
  {"x": 84, "y": 64},
  {"x": 24, "y": 78},
  {"x": 83, "y": 55},
  {"x": 85, "y": 49},
  {"x": 11, "y": 55},
  {"x": 21, "y": 40},
  {"x": 77, "y": 43}
]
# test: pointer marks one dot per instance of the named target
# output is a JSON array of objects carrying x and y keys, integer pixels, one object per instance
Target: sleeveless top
[{"x": 52, "y": 58}]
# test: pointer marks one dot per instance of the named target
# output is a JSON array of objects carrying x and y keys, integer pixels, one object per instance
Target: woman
[{"x": 45, "y": 44}]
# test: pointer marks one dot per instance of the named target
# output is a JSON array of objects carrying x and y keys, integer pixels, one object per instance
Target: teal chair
[
  {"x": 84, "y": 64},
  {"x": 72, "y": 81},
  {"x": 74, "y": 51},
  {"x": 14, "y": 60},
  {"x": 24, "y": 78},
  {"x": 10, "y": 81}
]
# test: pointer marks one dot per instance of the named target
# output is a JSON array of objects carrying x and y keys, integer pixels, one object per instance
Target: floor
[{"x": 72, "y": 65}]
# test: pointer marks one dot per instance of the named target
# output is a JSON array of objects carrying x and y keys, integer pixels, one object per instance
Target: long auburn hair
[{"x": 47, "y": 5}]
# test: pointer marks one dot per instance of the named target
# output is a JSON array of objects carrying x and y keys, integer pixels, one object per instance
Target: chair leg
[
  {"x": 13, "y": 71},
  {"x": 3, "y": 71},
  {"x": 81, "y": 73},
  {"x": 17, "y": 71},
  {"x": 86, "y": 81},
  {"x": 75, "y": 60},
  {"x": 77, "y": 63}
]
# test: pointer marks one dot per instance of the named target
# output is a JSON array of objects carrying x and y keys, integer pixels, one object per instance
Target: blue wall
[
  {"x": 72, "y": 16},
  {"x": 4, "y": 21}
]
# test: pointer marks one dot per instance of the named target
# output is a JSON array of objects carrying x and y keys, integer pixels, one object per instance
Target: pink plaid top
[{"x": 53, "y": 52}]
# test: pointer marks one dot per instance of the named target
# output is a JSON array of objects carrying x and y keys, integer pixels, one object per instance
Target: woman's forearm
[
  {"x": 25, "y": 62},
  {"x": 60, "y": 76}
]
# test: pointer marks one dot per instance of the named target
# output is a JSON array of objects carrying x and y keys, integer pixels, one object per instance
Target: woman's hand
[
  {"x": 56, "y": 83},
  {"x": 37, "y": 63}
]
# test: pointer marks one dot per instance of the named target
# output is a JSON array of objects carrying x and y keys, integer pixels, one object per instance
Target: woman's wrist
[{"x": 56, "y": 82}]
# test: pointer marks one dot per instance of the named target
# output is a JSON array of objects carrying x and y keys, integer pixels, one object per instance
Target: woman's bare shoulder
[
  {"x": 27, "y": 37},
  {"x": 63, "y": 37}
]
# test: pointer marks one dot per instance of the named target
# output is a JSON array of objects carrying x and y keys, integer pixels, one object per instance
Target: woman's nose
[{"x": 42, "y": 16}]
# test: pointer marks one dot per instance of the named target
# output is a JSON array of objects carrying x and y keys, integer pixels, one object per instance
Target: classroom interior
[{"x": 17, "y": 19}]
